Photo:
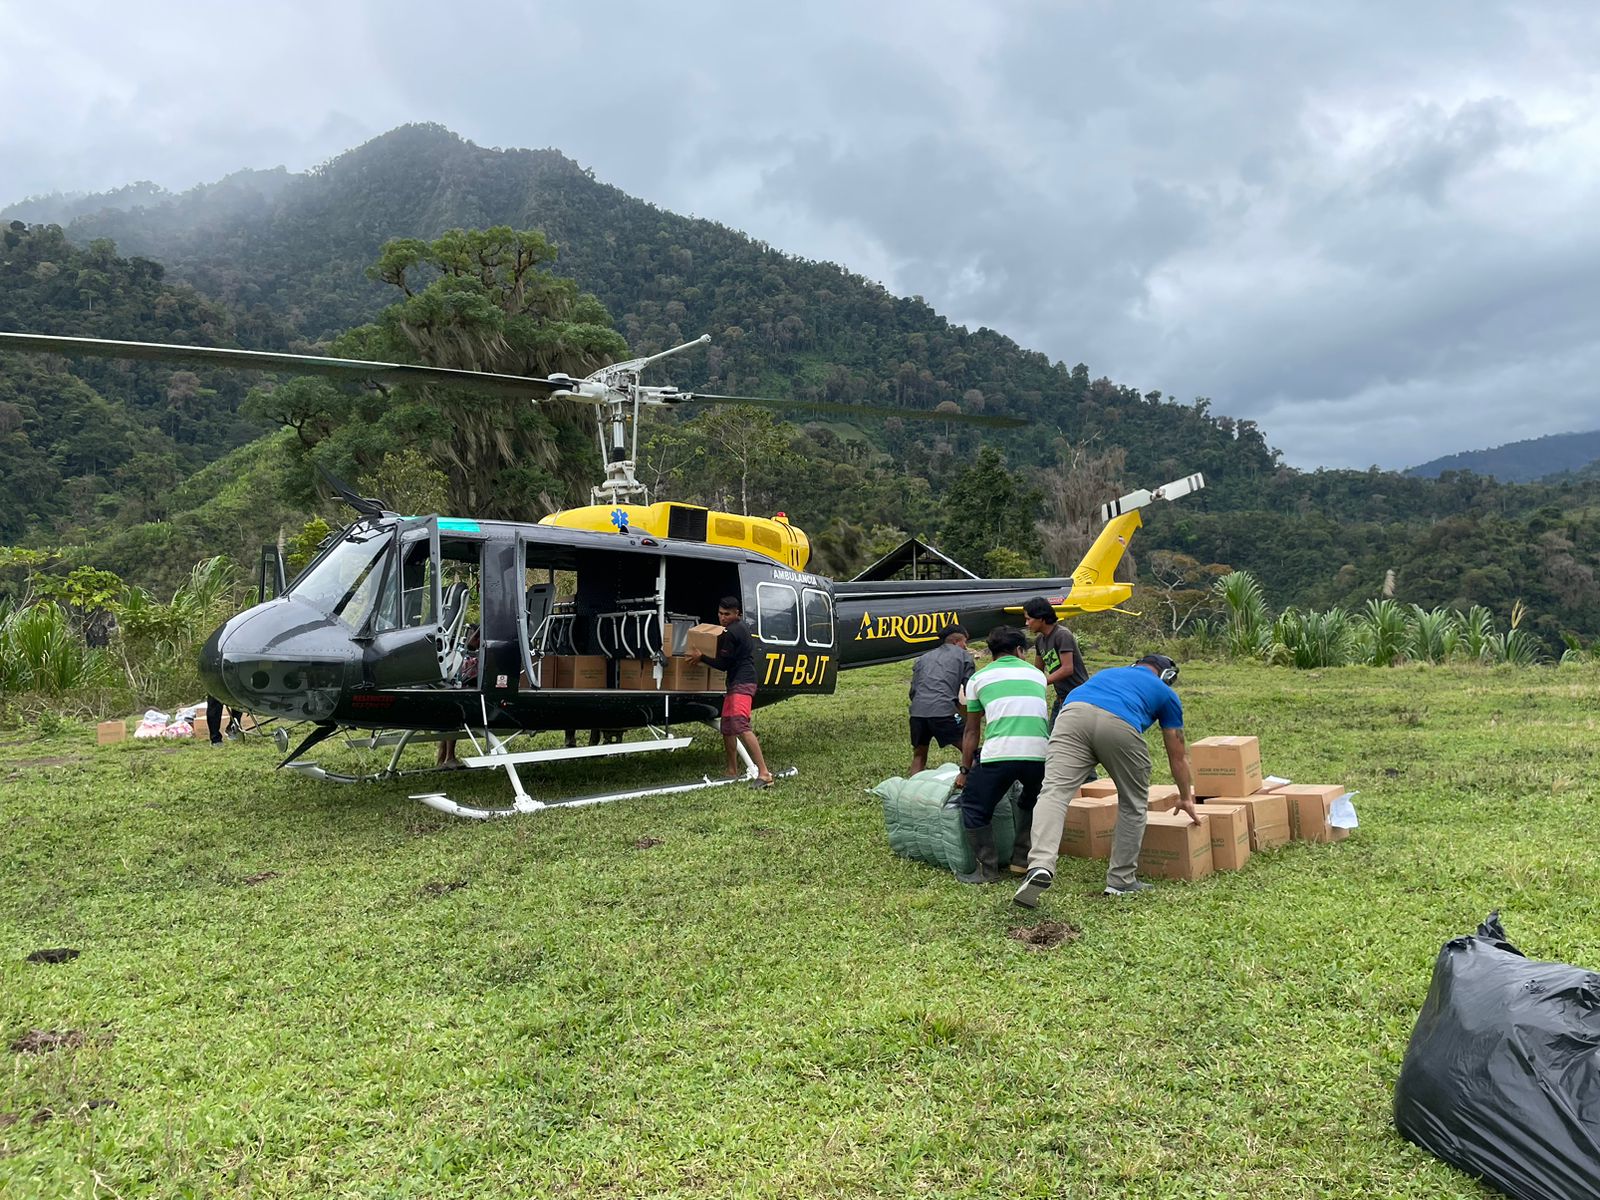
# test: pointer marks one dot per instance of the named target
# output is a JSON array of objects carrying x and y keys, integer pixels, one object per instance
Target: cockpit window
[
  {"x": 408, "y": 597},
  {"x": 345, "y": 583}
]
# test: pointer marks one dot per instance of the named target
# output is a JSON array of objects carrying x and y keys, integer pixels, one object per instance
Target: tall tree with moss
[{"x": 481, "y": 300}]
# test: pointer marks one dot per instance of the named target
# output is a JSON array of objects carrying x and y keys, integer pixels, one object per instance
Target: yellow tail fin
[{"x": 1099, "y": 564}]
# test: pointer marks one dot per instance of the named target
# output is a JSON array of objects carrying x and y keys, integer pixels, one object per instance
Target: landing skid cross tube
[{"x": 498, "y": 757}]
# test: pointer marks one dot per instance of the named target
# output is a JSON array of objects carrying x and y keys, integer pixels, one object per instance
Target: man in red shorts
[{"x": 736, "y": 655}]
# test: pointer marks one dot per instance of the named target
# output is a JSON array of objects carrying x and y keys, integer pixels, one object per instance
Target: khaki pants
[{"x": 1083, "y": 736}]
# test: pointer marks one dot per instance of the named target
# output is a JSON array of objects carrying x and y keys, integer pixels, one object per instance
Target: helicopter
[{"x": 584, "y": 617}]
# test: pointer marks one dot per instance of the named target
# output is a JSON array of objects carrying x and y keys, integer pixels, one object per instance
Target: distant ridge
[{"x": 1520, "y": 462}]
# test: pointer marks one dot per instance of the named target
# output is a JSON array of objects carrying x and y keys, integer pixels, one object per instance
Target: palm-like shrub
[
  {"x": 1249, "y": 625},
  {"x": 1308, "y": 640},
  {"x": 1478, "y": 635},
  {"x": 1434, "y": 635},
  {"x": 1383, "y": 633},
  {"x": 41, "y": 652},
  {"x": 1516, "y": 645}
]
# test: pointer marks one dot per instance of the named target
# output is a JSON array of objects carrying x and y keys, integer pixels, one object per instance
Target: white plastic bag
[{"x": 1342, "y": 812}]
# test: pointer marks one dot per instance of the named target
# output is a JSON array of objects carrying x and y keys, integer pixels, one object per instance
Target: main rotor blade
[
  {"x": 352, "y": 369},
  {"x": 859, "y": 410}
]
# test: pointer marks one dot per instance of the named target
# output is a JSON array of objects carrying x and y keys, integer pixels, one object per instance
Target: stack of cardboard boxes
[
  {"x": 1241, "y": 814},
  {"x": 593, "y": 671}
]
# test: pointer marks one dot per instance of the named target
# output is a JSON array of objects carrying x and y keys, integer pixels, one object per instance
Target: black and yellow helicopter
[{"x": 581, "y": 616}]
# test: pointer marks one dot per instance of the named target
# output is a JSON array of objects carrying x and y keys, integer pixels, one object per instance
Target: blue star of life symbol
[{"x": 619, "y": 518}]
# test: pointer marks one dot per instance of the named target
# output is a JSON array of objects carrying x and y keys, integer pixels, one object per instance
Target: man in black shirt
[
  {"x": 736, "y": 656},
  {"x": 936, "y": 682},
  {"x": 1055, "y": 650}
]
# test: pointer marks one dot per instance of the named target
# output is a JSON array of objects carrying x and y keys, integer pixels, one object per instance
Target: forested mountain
[
  {"x": 107, "y": 440},
  {"x": 1522, "y": 462},
  {"x": 284, "y": 256},
  {"x": 779, "y": 324}
]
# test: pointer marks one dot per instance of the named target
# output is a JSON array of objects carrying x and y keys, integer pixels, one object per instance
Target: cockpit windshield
[{"x": 345, "y": 584}]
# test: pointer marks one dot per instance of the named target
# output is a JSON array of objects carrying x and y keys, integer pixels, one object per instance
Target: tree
[
  {"x": 1184, "y": 585},
  {"x": 988, "y": 508},
  {"x": 481, "y": 300},
  {"x": 1081, "y": 480},
  {"x": 408, "y": 483},
  {"x": 743, "y": 442}
]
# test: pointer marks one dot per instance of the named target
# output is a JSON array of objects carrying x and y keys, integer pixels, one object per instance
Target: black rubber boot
[
  {"x": 981, "y": 840},
  {"x": 1020, "y": 847}
]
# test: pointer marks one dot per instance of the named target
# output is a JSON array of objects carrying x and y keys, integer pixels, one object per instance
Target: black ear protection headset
[{"x": 1165, "y": 667}]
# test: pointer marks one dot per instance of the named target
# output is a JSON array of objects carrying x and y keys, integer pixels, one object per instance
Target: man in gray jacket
[{"x": 936, "y": 682}]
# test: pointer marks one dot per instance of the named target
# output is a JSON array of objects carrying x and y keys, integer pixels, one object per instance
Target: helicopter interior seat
[
  {"x": 453, "y": 626},
  {"x": 540, "y": 599}
]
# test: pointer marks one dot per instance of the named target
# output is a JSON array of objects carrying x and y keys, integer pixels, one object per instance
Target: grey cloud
[{"x": 1337, "y": 219}]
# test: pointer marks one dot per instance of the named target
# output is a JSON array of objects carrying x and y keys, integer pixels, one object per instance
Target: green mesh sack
[{"x": 922, "y": 816}]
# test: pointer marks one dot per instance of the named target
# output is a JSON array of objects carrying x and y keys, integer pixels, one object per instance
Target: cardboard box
[
  {"x": 703, "y": 638},
  {"x": 680, "y": 675},
  {"x": 1174, "y": 848},
  {"x": 1309, "y": 804},
  {"x": 1268, "y": 814},
  {"x": 589, "y": 670},
  {"x": 1225, "y": 766},
  {"x": 1091, "y": 820},
  {"x": 546, "y": 669},
  {"x": 1163, "y": 797},
  {"x": 636, "y": 674},
  {"x": 1098, "y": 787},
  {"x": 1229, "y": 827},
  {"x": 716, "y": 681},
  {"x": 108, "y": 733}
]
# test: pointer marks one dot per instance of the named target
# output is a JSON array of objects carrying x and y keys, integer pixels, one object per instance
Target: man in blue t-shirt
[{"x": 1104, "y": 722}]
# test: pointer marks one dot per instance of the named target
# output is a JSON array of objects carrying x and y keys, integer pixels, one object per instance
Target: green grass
[{"x": 766, "y": 1003}]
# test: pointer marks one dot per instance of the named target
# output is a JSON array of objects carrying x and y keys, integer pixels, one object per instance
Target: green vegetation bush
[
  {"x": 1384, "y": 634},
  {"x": 151, "y": 652}
]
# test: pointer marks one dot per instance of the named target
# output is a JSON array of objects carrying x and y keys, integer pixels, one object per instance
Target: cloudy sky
[{"x": 1374, "y": 228}]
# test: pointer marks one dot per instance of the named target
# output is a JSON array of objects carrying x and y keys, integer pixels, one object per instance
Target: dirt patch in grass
[
  {"x": 41, "y": 1041},
  {"x": 765, "y": 831},
  {"x": 258, "y": 877},
  {"x": 440, "y": 887},
  {"x": 645, "y": 843},
  {"x": 58, "y": 761},
  {"x": 58, "y": 954},
  {"x": 1046, "y": 935}
]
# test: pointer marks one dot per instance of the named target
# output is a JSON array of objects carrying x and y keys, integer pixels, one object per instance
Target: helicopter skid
[
  {"x": 312, "y": 771},
  {"x": 527, "y": 804},
  {"x": 499, "y": 759}
]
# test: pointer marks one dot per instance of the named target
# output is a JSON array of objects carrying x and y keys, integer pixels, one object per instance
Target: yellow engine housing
[{"x": 773, "y": 537}]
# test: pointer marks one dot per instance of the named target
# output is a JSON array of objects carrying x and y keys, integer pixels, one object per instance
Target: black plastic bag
[{"x": 1502, "y": 1076}]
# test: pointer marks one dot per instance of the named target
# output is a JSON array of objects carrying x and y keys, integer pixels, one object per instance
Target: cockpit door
[{"x": 408, "y": 638}]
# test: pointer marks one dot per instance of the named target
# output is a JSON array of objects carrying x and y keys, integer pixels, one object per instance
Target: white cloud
[{"x": 1341, "y": 220}]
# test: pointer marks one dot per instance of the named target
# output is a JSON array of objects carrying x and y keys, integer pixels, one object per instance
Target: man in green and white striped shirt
[{"x": 1010, "y": 695}]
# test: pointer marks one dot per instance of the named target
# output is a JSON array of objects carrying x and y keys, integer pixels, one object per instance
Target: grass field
[{"x": 297, "y": 989}]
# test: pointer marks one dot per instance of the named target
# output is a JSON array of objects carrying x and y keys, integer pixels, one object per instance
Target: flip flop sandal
[{"x": 762, "y": 785}]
